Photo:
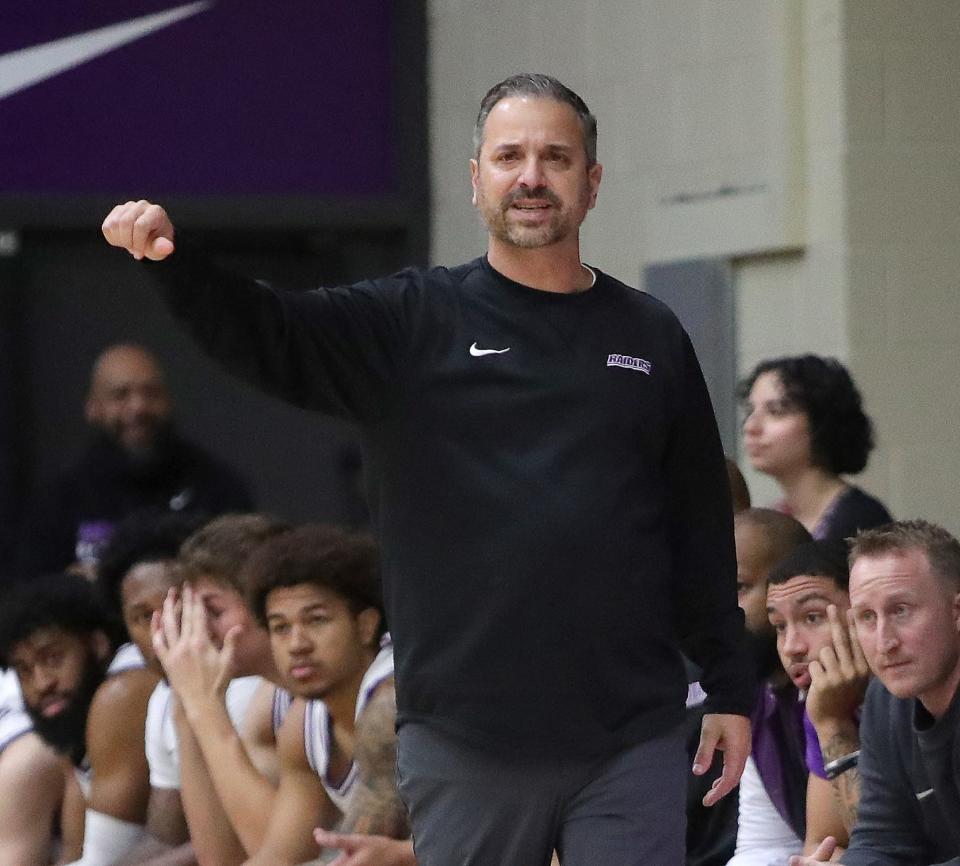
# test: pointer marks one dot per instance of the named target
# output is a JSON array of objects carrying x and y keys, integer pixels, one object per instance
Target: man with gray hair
[
  {"x": 905, "y": 606},
  {"x": 551, "y": 498}
]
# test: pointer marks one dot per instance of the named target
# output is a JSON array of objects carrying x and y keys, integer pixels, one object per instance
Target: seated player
[
  {"x": 217, "y": 741},
  {"x": 57, "y": 637},
  {"x": 318, "y": 591},
  {"x": 807, "y": 601},
  {"x": 769, "y": 814},
  {"x": 136, "y": 571},
  {"x": 31, "y": 784}
]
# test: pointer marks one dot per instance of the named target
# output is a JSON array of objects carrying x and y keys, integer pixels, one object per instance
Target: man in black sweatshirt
[{"x": 549, "y": 489}]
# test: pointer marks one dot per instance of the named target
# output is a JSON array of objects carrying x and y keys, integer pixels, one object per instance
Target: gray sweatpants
[{"x": 468, "y": 808}]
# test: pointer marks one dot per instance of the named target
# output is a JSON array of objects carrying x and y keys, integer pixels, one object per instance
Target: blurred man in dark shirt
[{"x": 135, "y": 460}]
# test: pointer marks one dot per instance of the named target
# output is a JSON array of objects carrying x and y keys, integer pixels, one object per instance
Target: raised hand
[
  {"x": 839, "y": 677},
  {"x": 838, "y": 681},
  {"x": 143, "y": 229},
  {"x": 196, "y": 668}
]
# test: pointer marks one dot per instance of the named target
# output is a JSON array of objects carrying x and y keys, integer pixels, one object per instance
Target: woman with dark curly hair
[{"x": 806, "y": 428}]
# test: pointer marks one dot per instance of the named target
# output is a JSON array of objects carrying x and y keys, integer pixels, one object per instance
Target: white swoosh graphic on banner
[{"x": 28, "y": 66}]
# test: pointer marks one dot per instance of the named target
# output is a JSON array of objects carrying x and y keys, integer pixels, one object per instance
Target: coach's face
[{"x": 532, "y": 182}]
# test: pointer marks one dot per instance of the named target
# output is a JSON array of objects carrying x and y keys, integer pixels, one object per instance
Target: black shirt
[
  {"x": 547, "y": 484},
  {"x": 910, "y": 784},
  {"x": 81, "y": 506}
]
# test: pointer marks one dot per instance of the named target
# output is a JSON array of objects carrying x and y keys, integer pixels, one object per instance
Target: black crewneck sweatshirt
[{"x": 546, "y": 481}]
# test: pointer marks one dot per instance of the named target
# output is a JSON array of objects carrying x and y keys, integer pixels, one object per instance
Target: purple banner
[{"x": 232, "y": 97}]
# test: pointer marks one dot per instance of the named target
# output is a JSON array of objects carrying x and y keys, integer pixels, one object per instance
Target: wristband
[
  {"x": 841, "y": 765},
  {"x": 106, "y": 839}
]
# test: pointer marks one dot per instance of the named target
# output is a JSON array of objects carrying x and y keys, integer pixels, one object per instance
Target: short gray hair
[{"x": 545, "y": 87}]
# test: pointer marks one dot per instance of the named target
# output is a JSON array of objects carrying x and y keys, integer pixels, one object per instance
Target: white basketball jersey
[
  {"x": 282, "y": 701},
  {"x": 318, "y": 729},
  {"x": 163, "y": 750},
  {"x": 14, "y": 721}
]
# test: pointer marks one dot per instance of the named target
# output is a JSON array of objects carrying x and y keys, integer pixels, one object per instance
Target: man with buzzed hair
[
  {"x": 134, "y": 461},
  {"x": 763, "y": 538}
]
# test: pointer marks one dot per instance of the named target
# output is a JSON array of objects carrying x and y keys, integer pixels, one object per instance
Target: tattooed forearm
[
  {"x": 846, "y": 785},
  {"x": 375, "y": 806}
]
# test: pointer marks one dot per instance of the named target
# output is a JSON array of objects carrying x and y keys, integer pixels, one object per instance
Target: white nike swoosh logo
[
  {"x": 478, "y": 352},
  {"x": 28, "y": 66},
  {"x": 924, "y": 794}
]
